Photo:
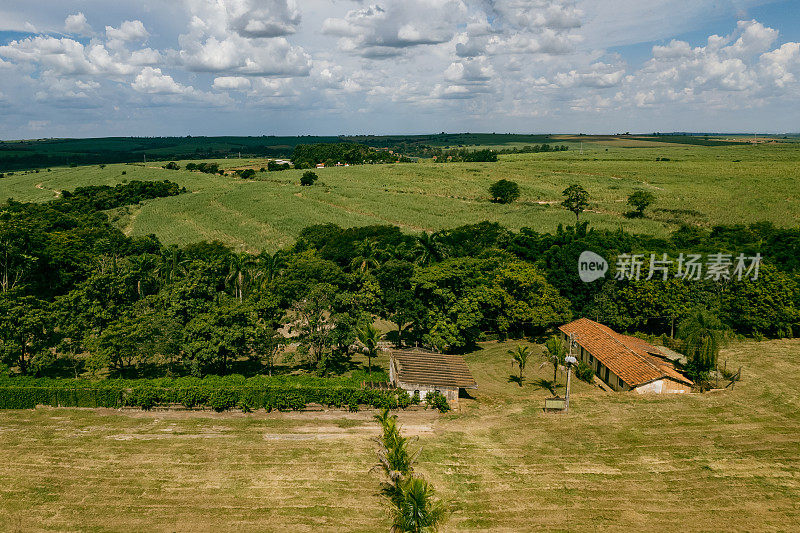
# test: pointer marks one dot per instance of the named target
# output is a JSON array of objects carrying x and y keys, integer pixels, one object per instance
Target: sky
[{"x": 296, "y": 67}]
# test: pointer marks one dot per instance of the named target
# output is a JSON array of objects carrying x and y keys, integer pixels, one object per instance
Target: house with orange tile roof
[{"x": 623, "y": 362}]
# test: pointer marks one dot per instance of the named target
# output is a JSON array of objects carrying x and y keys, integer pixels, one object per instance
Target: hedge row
[{"x": 218, "y": 398}]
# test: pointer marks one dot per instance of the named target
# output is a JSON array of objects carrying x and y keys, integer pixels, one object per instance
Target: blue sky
[{"x": 262, "y": 67}]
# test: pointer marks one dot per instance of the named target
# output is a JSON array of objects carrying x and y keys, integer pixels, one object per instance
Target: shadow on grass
[
  {"x": 546, "y": 384},
  {"x": 515, "y": 379}
]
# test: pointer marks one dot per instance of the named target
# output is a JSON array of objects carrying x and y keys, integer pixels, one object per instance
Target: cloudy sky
[{"x": 263, "y": 67}]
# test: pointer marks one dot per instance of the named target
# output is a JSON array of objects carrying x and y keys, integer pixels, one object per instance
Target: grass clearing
[
  {"x": 698, "y": 185},
  {"x": 726, "y": 460}
]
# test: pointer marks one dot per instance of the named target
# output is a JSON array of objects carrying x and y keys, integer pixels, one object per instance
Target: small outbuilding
[
  {"x": 426, "y": 372},
  {"x": 623, "y": 362}
]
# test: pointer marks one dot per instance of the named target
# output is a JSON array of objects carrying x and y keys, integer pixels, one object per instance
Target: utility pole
[{"x": 569, "y": 360}]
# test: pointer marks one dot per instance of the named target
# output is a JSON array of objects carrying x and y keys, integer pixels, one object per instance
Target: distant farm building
[
  {"x": 425, "y": 372},
  {"x": 623, "y": 362}
]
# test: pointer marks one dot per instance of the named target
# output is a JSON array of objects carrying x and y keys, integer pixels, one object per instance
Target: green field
[
  {"x": 703, "y": 185},
  {"x": 617, "y": 462}
]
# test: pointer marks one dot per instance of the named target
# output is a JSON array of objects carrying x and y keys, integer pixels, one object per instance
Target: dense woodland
[{"x": 77, "y": 295}]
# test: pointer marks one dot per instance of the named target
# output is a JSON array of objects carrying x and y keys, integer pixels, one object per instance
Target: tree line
[{"x": 75, "y": 290}]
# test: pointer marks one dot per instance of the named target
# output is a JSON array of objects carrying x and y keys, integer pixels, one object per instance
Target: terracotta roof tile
[
  {"x": 634, "y": 360},
  {"x": 424, "y": 368}
]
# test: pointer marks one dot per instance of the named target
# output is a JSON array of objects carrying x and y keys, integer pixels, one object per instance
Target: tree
[
  {"x": 398, "y": 303},
  {"x": 417, "y": 510},
  {"x": 555, "y": 353},
  {"x": 213, "y": 339},
  {"x": 315, "y": 320},
  {"x": 308, "y": 178},
  {"x": 240, "y": 268},
  {"x": 576, "y": 200},
  {"x": 247, "y": 174},
  {"x": 640, "y": 200},
  {"x": 25, "y": 331},
  {"x": 266, "y": 343},
  {"x": 504, "y": 191},
  {"x": 369, "y": 337},
  {"x": 703, "y": 335},
  {"x": 135, "y": 340},
  {"x": 519, "y": 356},
  {"x": 428, "y": 248}
]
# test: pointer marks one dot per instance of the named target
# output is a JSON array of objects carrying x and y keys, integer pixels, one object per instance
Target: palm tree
[
  {"x": 555, "y": 353},
  {"x": 418, "y": 510},
  {"x": 366, "y": 256},
  {"x": 519, "y": 356},
  {"x": 240, "y": 268},
  {"x": 369, "y": 336},
  {"x": 703, "y": 335},
  {"x": 144, "y": 268},
  {"x": 428, "y": 249},
  {"x": 269, "y": 266}
]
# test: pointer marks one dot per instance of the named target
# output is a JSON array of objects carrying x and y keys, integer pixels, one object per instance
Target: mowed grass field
[
  {"x": 725, "y": 461},
  {"x": 698, "y": 185}
]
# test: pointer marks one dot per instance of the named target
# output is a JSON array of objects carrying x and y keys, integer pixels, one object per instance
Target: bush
[
  {"x": 246, "y": 174},
  {"x": 584, "y": 372},
  {"x": 219, "y": 393},
  {"x": 308, "y": 178},
  {"x": 504, "y": 191},
  {"x": 436, "y": 400}
]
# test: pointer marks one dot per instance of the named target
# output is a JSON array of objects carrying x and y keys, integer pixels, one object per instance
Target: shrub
[
  {"x": 584, "y": 372},
  {"x": 504, "y": 191},
  {"x": 436, "y": 400},
  {"x": 308, "y": 178}
]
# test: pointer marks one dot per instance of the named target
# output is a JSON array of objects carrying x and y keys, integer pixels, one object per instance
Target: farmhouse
[
  {"x": 424, "y": 372},
  {"x": 623, "y": 362}
]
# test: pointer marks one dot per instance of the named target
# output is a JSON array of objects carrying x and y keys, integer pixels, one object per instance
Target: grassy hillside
[
  {"x": 617, "y": 461},
  {"x": 698, "y": 185}
]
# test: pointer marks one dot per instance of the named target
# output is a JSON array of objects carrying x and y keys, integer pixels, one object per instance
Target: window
[
  {"x": 606, "y": 380},
  {"x": 621, "y": 383}
]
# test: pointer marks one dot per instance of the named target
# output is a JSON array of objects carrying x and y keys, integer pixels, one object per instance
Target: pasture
[
  {"x": 617, "y": 462},
  {"x": 702, "y": 185}
]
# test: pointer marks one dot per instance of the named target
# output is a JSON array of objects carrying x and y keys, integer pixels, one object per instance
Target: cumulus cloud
[
  {"x": 375, "y": 31},
  {"x": 241, "y": 38},
  {"x": 231, "y": 82},
  {"x": 77, "y": 24},
  {"x": 130, "y": 30},
  {"x": 152, "y": 81}
]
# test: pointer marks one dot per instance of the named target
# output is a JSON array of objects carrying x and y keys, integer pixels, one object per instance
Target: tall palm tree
[
  {"x": 428, "y": 249},
  {"x": 519, "y": 356},
  {"x": 269, "y": 266},
  {"x": 555, "y": 353},
  {"x": 240, "y": 268},
  {"x": 418, "y": 511},
  {"x": 703, "y": 335},
  {"x": 369, "y": 337},
  {"x": 144, "y": 268},
  {"x": 366, "y": 256}
]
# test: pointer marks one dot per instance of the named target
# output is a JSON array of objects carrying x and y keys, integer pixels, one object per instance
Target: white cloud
[
  {"x": 375, "y": 31},
  {"x": 152, "y": 81},
  {"x": 130, "y": 30},
  {"x": 236, "y": 83},
  {"x": 76, "y": 24},
  {"x": 237, "y": 38}
]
